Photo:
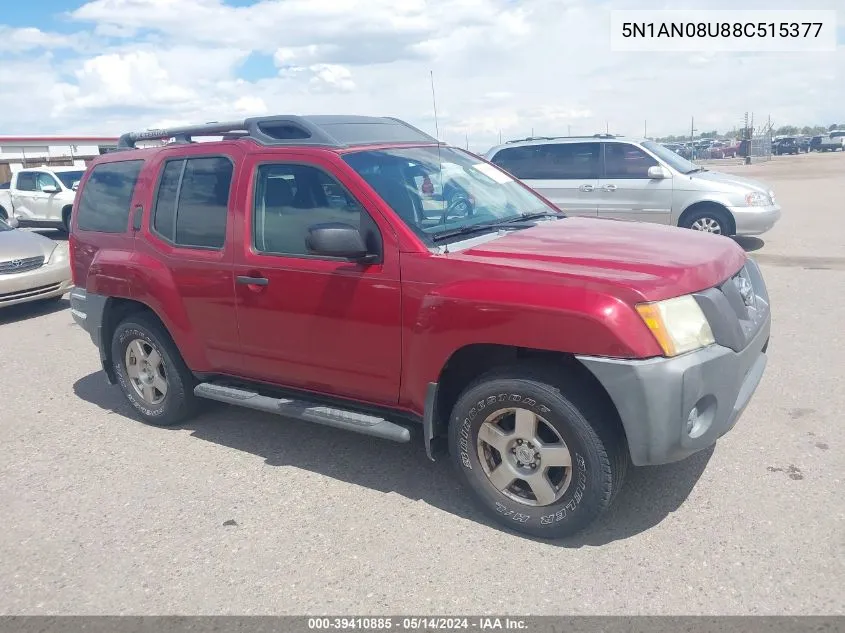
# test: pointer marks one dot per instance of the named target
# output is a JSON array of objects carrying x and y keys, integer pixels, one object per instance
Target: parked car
[
  {"x": 730, "y": 149},
  {"x": 829, "y": 142},
  {"x": 32, "y": 267},
  {"x": 787, "y": 145},
  {"x": 40, "y": 196},
  {"x": 548, "y": 351},
  {"x": 631, "y": 179},
  {"x": 803, "y": 143}
]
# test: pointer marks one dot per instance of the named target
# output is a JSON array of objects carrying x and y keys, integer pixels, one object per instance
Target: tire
[
  {"x": 66, "y": 220},
  {"x": 577, "y": 422},
  {"x": 708, "y": 220},
  {"x": 165, "y": 395}
]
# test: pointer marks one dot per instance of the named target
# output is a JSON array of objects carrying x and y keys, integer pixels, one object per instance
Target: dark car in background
[{"x": 788, "y": 145}]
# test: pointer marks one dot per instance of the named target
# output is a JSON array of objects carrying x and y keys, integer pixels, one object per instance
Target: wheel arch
[
  {"x": 470, "y": 362},
  {"x": 114, "y": 311}
]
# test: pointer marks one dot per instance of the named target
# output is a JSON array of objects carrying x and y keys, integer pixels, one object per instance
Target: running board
[{"x": 307, "y": 411}]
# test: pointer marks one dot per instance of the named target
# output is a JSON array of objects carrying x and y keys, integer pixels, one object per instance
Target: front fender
[{"x": 508, "y": 313}]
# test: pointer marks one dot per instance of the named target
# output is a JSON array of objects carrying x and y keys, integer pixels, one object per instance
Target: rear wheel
[
  {"x": 151, "y": 372},
  {"x": 539, "y": 460}
]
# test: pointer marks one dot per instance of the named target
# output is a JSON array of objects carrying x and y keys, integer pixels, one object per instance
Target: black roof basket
[{"x": 319, "y": 130}]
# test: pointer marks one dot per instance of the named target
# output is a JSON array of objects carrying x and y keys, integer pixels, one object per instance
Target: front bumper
[
  {"x": 755, "y": 220},
  {"x": 655, "y": 397},
  {"x": 45, "y": 282}
]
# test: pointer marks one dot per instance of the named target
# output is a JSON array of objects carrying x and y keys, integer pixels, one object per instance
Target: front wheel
[
  {"x": 708, "y": 221},
  {"x": 151, "y": 372},
  {"x": 535, "y": 460}
]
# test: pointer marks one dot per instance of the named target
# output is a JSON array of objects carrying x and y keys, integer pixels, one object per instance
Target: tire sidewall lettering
[
  {"x": 124, "y": 335},
  {"x": 468, "y": 423}
]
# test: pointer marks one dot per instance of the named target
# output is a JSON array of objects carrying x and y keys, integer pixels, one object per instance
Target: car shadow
[
  {"x": 648, "y": 497},
  {"x": 749, "y": 243},
  {"x": 32, "y": 309}
]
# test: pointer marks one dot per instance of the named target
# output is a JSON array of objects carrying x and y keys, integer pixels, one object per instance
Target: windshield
[
  {"x": 69, "y": 177},
  {"x": 678, "y": 163},
  {"x": 443, "y": 190}
]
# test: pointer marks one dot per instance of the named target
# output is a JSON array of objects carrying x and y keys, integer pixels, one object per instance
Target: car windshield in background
[
  {"x": 442, "y": 191},
  {"x": 68, "y": 178},
  {"x": 676, "y": 162}
]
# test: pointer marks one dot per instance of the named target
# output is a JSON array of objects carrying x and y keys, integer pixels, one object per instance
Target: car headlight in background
[
  {"x": 678, "y": 324},
  {"x": 758, "y": 199},
  {"x": 57, "y": 256}
]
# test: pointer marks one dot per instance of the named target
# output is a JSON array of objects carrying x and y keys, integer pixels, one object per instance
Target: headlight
[
  {"x": 758, "y": 199},
  {"x": 678, "y": 324},
  {"x": 57, "y": 256}
]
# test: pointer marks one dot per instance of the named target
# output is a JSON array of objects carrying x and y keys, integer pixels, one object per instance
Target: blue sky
[{"x": 104, "y": 66}]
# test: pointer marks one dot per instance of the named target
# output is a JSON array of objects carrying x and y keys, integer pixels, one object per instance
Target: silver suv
[{"x": 609, "y": 176}]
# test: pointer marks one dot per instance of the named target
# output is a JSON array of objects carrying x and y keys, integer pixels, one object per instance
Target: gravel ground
[{"x": 244, "y": 513}]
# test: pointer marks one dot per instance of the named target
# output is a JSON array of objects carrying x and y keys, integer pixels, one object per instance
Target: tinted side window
[
  {"x": 291, "y": 198},
  {"x": 107, "y": 195},
  {"x": 198, "y": 217},
  {"x": 521, "y": 162},
  {"x": 26, "y": 181},
  {"x": 46, "y": 180},
  {"x": 164, "y": 212},
  {"x": 626, "y": 161},
  {"x": 568, "y": 161}
]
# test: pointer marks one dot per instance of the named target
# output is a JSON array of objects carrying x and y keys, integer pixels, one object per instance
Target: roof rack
[
  {"x": 318, "y": 130},
  {"x": 555, "y": 138}
]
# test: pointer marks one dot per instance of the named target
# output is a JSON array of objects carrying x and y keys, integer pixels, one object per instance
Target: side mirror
[
  {"x": 13, "y": 222},
  {"x": 50, "y": 189},
  {"x": 336, "y": 239},
  {"x": 75, "y": 185},
  {"x": 656, "y": 172}
]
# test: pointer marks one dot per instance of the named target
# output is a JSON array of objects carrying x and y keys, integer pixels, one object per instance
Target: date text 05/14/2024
[{"x": 486, "y": 623}]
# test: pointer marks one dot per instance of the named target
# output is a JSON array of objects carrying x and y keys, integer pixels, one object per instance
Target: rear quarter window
[{"x": 107, "y": 195}]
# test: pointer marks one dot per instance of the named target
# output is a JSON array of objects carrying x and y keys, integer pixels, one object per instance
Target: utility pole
[
  {"x": 606, "y": 127},
  {"x": 500, "y": 137},
  {"x": 569, "y": 130},
  {"x": 467, "y": 140},
  {"x": 645, "y": 129}
]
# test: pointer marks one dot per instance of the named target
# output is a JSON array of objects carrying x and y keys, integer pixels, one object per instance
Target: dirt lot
[{"x": 245, "y": 513}]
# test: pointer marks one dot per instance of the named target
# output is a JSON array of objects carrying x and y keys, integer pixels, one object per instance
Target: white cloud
[
  {"x": 22, "y": 40},
  {"x": 498, "y": 66}
]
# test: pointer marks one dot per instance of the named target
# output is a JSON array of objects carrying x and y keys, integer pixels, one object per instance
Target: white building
[{"x": 17, "y": 152}]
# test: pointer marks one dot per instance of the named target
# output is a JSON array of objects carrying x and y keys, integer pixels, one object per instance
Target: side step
[{"x": 307, "y": 411}]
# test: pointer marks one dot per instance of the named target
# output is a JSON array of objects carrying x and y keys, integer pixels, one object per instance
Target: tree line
[{"x": 784, "y": 130}]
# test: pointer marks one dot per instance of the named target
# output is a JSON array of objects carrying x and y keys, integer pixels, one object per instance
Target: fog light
[
  {"x": 692, "y": 419},
  {"x": 701, "y": 416}
]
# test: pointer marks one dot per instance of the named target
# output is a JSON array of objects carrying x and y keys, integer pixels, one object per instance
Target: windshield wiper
[
  {"x": 524, "y": 217},
  {"x": 469, "y": 228}
]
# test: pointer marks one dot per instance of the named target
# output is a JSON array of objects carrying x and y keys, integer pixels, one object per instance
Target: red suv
[{"x": 298, "y": 266}]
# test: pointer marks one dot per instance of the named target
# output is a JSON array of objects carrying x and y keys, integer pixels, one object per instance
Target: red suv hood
[{"x": 654, "y": 261}]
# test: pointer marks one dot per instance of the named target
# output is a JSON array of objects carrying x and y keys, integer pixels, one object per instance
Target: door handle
[
  {"x": 609, "y": 188},
  {"x": 137, "y": 212},
  {"x": 252, "y": 281},
  {"x": 585, "y": 188}
]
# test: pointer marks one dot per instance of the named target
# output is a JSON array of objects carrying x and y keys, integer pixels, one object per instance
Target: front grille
[
  {"x": 29, "y": 292},
  {"x": 14, "y": 266},
  {"x": 738, "y": 308}
]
